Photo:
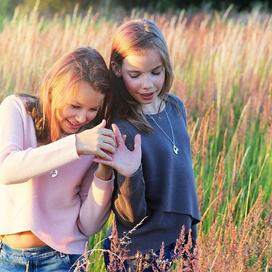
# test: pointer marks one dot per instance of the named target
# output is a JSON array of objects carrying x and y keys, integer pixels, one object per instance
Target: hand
[
  {"x": 98, "y": 141},
  {"x": 124, "y": 161}
]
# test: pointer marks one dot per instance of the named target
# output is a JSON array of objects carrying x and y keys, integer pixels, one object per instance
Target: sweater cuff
[
  {"x": 101, "y": 183},
  {"x": 71, "y": 151}
]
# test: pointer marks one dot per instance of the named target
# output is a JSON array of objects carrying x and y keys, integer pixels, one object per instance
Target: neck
[{"x": 155, "y": 107}]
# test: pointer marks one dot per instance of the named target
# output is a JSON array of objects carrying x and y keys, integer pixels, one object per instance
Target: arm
[
  {"x": 129, "y": 204},
  {"x": 17, "y": 163},
  {"x": 180, "y": 106},
  {"x": 129, "y": 198},
  {"x": 95, "y": 194},
  {"x": 18, "y": 138}
]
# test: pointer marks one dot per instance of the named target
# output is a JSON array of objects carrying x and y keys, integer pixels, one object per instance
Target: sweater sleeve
[
  {"x": 96, "y": 202},
  {"x": 129, "y": 204},
  {"x": 19, "y": 163},
  {"x": 180, "y": 105},
  {"x": 129, "y": 201}
]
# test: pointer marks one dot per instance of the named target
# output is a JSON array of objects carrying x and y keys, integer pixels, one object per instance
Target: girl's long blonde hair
[{"x": 83, "y": 64}]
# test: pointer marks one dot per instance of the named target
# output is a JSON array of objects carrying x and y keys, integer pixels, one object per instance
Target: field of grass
[{"x": 223, "y": 73}]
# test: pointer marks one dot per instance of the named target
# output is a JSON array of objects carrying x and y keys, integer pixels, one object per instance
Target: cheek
[
  {"x": 91, "y": 116},
  {"x": 65, "y": 113},
  {"x": 132, "y": 85},
  {"x": 160, "y": 81}
]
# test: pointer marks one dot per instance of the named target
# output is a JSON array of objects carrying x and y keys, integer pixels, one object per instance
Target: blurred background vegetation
[
  {"x": 111, "y": 8},
  {"x": 121, "y": 8},
  {"x": 53, "y": 6},
  {"x": 222, "y": 60}
]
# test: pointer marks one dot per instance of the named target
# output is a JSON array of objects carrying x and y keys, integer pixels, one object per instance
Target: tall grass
[{"x": 223, "y": 73}]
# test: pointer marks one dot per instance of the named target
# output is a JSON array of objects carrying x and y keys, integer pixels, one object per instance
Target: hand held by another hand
[
  {"x": 98, "y": 141},
  {"x": 124, "y": 161}
]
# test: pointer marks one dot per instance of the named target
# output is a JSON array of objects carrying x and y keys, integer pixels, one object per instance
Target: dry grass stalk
[
  {"x": 238, "y": 248},
  {"x": 223, "y": 73},
  {"x": 184, "y": 258},
  {"x": 118, "y": 251}
]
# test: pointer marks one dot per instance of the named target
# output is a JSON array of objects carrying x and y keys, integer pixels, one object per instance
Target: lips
[
  {"x": 73, "y": 125},
  {"x": 147, "y": 96}
]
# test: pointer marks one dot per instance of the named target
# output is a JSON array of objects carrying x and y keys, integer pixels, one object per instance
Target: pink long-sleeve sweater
[{"x": 47, "y": 189}]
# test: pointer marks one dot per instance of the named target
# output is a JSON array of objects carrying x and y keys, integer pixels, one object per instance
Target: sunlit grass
[{"x": 223, "y": 73}]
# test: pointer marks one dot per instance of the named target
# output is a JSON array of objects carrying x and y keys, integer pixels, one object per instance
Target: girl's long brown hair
[{"x": 132, "y": 37}]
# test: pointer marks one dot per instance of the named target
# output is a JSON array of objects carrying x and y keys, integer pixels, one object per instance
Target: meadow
[{"x": 223, "y": 73}]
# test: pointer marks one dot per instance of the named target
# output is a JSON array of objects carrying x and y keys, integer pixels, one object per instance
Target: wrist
[
  {"x": 104, "y": 172},
  {"x": 136, "y": 172},
  {"x": 78, "y": 145}
]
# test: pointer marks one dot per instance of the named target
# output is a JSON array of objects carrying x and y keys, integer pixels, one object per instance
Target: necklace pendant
[
  {"x": 175, "y": 149},
  {"x": 53, "y": 173}
]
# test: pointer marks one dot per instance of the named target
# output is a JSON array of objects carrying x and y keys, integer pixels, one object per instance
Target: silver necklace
[{"x": 175, "y": 148}]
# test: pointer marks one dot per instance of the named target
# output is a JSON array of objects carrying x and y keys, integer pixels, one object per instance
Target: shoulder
[
  {"x": 177, "y": 103},
  {"x": 17, "y": 103},
  {"x": 125, "y": 126},
  {"x": 174, "y": 99},
  {"x": 12, "y": 112},
  {"x": 12, "y": 101},
  {"x": 19, "y": 98}
]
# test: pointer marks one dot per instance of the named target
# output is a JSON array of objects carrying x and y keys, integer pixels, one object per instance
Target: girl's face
[
  {"x": 80, "y": 108},
  {"x": 144, "y": 74}
]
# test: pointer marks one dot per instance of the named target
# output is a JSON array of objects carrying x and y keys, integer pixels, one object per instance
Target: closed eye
[
  {"x": 157, "y": 70},
  {"x": 75, "y": 106},
  {"x": 134, "y": 75},
  {"x": 93, "y": 109}
]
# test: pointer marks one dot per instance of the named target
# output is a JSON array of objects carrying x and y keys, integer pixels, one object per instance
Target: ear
[{"x": 116, "y": 69}]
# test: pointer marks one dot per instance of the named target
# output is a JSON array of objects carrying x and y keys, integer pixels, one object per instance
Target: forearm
[
  {"x": 17, "y": 166},
  {"x": 130, "y": 205},
  {"x": 96, "y": 208}
]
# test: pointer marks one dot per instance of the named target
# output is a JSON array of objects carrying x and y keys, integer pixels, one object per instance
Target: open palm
[{"x": 124, "y": 161}]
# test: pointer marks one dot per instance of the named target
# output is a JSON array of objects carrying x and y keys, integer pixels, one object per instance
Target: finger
[
  {"x": 137, "y": 142},
  {"x": 124, "y": 137},
  {"x": 104, "y": 155},
  {"x": 105, "y": 162},
  {"x": 107, "y": 132},
  {"x": 107, "y": 148},
  {"x": 109, "y": 140},
  {"x": 102, "y": 124},
  {"x": 118, "y": 135}
]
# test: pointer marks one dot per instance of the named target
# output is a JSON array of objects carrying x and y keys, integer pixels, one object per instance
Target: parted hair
[
  {"x": 132, "y": 37},
  {"x": 83, "y": 64}
]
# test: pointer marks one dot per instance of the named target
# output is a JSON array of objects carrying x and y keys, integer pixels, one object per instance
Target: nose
[
  {"x": 147, "y": 82},
  {"x": 81, "y": 117}
]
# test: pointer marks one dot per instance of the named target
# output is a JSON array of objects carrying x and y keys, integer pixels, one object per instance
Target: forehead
[
  {"x": 143, "y": 60},
  {"x": 84, "y": 94}
]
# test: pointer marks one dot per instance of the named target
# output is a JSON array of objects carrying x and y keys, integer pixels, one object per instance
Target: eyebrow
[
  {"x": 157, "y": 67},
  {"x": 79, "y": 104}
]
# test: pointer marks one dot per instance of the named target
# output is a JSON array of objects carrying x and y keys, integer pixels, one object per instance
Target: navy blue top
[{"x": 163, "y": 189}]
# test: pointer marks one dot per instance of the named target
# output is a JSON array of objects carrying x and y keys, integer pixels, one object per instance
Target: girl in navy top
[{"x": 161, "y": 194}]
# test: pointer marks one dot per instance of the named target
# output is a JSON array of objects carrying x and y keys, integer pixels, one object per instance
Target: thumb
[
  {"x": 117, "y": 134},
  {"x": 102, "y": 124},
  {"x": 137, "y": 142}
]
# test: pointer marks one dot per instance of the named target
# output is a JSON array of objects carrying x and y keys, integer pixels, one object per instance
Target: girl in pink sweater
[{"x": 53, "y": 196}]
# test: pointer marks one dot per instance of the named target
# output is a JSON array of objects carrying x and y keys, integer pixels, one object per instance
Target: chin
[
  {"x": 146, "y": 102},
  {"x": 69, "y": 131}
]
